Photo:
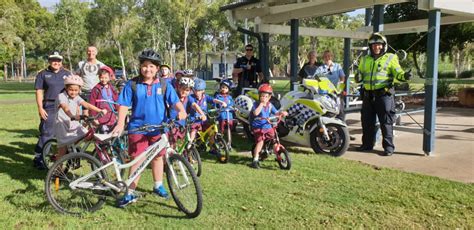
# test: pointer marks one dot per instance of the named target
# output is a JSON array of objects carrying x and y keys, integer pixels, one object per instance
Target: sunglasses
[{"x": 248, "y": 49}]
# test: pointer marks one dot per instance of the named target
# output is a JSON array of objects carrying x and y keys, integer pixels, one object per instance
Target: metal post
[
  {"x": 378, "y": 18},
  {"x": 346, "y": 65},
  {"x": 266, "y": 54},
  {"x": 246, "y": 36},
  {"x": 368, "y": 16},
  {"x": 294, "y": 52},
  {"x": 431, "y": 81}
]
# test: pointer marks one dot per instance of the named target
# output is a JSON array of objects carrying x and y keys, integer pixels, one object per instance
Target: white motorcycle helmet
[{"x": 244, "y": 105}]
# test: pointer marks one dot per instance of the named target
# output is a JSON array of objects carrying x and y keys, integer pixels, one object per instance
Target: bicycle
[
  {"x": 186, "y": 148},
  {"x": 87, "y": 181},
  {"x": 274, "y": 146},
  {"x": 203, "y": 138}
]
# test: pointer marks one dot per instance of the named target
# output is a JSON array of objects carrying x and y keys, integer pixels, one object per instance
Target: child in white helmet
[{"x": 68, "y": 106}]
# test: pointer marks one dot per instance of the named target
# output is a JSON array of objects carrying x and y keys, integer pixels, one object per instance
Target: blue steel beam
[
  {"x": 346, "y": 66},
  {"x": 294, "y": 51},
  {"x": 431, "y": 81}
]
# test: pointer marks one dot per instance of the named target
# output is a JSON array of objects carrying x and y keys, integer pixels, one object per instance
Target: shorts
[
  {"x": 177, "y": 134},
  {"x": 263, "y": 134},
  {"x": 223, "y": 124},
  {"x": 198, "y": 126},
  {"x": 137, "y": 144}
]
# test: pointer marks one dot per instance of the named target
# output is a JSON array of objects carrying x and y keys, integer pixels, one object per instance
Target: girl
[
  {"x": 224, "y": 99},
  {"x": 100, "y": 94},
  {"x": 67, "y": 127}
]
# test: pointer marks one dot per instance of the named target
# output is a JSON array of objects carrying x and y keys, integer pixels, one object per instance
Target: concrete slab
[{"x": 453, "y": 158}]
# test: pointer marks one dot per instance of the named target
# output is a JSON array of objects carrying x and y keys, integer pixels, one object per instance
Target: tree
[
  {"x": 187, "y": 13},
  {"x": 70, "y": 32}
]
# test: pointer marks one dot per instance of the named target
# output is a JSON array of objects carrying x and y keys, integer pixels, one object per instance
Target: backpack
[{"x": 163, "y": 91}]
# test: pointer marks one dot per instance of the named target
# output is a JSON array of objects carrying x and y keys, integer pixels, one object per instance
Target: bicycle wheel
[
  {"x": 221, "y": 146},
  {"x": 194, "y": 159},
  {"x": 283, "y": 159},
  {"x": 184, "y": 185},
  {"x": 88, "y": 196},
  {"x": 50, "y": 149}
]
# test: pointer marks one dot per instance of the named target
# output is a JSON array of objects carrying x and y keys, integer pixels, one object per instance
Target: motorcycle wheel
[{"x": 336, "y": 145}]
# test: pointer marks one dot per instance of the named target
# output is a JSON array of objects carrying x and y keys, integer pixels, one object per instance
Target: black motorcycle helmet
[{"x": 150, "y": 55}]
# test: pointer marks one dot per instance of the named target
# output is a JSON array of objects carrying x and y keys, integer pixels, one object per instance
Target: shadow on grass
[{"x": 24, "y": 133}]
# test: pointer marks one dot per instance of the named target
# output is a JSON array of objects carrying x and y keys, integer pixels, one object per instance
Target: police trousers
[
  {"x": 382, "y": 105},
  {"x": 46, "y": 127}
]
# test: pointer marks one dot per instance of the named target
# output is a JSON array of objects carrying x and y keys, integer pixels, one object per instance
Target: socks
[
  {"x": 158, "y": 184},
  {"x": 131, "y": 191},
  {"x": 255, "y": 158}
]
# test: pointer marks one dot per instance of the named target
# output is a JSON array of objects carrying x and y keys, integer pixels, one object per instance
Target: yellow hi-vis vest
[{"x": 381, "y": 72}]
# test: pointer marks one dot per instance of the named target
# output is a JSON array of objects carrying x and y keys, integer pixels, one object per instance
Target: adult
[
  {"x": 148, "y": 99},
  {"x": 335, "y": 74},
  {"x": 309, "y": 69},
  {"x": 377, "y": 72},
  {"x": 247, "y": 71},
  {"x": 88, "y": 69},
  {"x": 48, "y": 84}
]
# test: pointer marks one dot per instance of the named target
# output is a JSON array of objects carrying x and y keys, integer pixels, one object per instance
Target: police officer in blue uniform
[
  {"x": 48, "y": 84},
  {"x": 247, "y": 71}
]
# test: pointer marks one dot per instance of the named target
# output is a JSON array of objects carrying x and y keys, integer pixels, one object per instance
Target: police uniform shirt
[
  {"x": 249, "y": 75},
  {"x": 52, "y": 83}
]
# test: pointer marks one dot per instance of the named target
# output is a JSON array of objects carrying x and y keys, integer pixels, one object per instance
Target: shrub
[
  {"x": 444, "y": 88},
  {"x": 467, "y": 74},
  {"x": 445, "y": 75}
]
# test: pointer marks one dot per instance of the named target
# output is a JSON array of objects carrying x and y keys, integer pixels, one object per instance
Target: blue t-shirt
[
  {"x": 334, "y": 72},
  {"x": 267, "y": 111},
  {"x": 187, "y": 103},
  {"x": 52, "y": 83},
  {"x": 147, "y": 104},
  {"x": 204, "y": 104},
  {"x": 229, "y": 101}
]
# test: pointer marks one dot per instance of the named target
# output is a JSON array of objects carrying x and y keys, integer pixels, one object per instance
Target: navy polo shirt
[
  {"x": 52, "y": 83},
  {"x": 147, "y": 104},
  {"x": 266, "y": 112}
]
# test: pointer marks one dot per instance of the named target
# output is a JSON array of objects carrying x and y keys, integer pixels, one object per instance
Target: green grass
[
  {"x": 16, "y": 91},
  {"x": 319, "y": 192}
]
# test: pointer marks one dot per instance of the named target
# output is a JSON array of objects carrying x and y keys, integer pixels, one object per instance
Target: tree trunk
[
  {"x": 122, "y": 60},
  {"x": 457, "y": 61},
  {"x": 417, "y": 66}
]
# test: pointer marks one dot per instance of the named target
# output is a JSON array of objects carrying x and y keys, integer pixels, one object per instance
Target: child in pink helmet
[{"x": 68, "y": 104}]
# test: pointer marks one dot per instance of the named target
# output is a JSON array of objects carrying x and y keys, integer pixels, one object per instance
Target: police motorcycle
[{"x": 311, "y": 119}]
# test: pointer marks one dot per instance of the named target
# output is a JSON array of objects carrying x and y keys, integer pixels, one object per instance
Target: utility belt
[
  {"x": 48, "y": 101},
  {"x": 378, "y": 92}
]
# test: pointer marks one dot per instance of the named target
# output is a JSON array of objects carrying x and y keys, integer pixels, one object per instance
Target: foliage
[
  {"x": 467, "y": 74},
  {"x": 444, "y": 88}
]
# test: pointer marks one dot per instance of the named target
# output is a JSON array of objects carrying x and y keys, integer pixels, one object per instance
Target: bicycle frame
[{"x": 149, "y": 154}]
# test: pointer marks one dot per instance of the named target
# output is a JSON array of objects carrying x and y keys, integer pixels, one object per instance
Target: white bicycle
[{"x": 78, "y": 183}]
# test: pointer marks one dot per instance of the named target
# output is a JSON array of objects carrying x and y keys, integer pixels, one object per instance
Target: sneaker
[
  {"x": 39, "y": 163},
  {"x": 126, "y": 200},
  {"x": 255, "y": 165},
  {"x": 161, "y": 191}
]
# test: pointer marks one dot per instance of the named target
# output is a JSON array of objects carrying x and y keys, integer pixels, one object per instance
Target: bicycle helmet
[
  {"x": 188, "y": 73},
  {"x": 186, "y": 81},
  {"x": 73, "y": 80},
  {"x": 165, "y": 65},
  {"x": 108, "y": 69},
  {"x": 179, "y": 72},
  {"x": 199, "y": 84},
  {"x": 150, "y": 55},
  {"x": 377, "y": 38},
  {"x": 265, "y": 88},
  {"x": 227, "y": 83}
]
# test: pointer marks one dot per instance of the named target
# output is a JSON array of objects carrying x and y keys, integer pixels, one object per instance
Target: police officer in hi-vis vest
[{"x": 377, "y": 72}]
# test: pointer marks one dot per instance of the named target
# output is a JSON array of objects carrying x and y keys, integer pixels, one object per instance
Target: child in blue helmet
[
  {"x": 203, "y": 101},
  {"x": 223, "y": 99}
]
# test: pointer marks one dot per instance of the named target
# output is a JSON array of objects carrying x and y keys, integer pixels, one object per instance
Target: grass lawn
[{"x": 318, "y": 192}]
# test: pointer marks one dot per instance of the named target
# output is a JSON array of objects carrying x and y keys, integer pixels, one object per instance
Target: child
[
  {"x": 203, "y": 101},
  {"x": 105, "y": 91},
  {"x": 262, "y": 129},
  {"x": 224, "y": 99},
  {"x": 185, "y": 86},
  {"x": 179, "y": 74},
  {"x": 165, "y": 72},
  {"x": 67, "y": 127}
]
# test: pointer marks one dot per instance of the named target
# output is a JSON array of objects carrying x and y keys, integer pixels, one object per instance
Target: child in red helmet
[{"x": 262, "y": 129}]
